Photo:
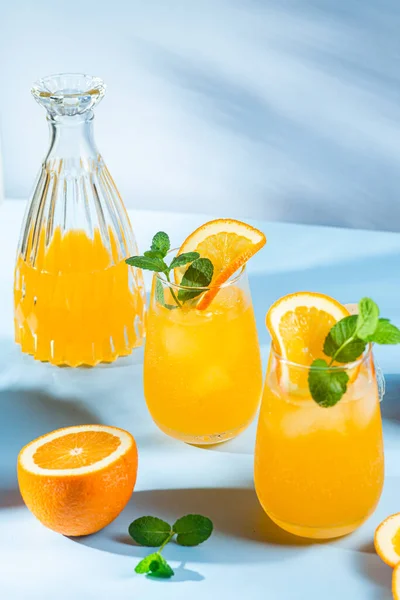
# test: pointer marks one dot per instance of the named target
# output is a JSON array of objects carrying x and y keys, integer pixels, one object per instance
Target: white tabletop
[{"x": 247, "y": 554}]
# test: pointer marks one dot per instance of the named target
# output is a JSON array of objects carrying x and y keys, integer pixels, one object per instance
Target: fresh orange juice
[
  {"x": 79, "y": 303},
  {"x": 319, "y": 471},
  {"x": 202, "y": 368}
]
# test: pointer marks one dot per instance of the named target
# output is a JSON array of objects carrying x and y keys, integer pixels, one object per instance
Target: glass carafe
[{"x": 76, "y": 302}]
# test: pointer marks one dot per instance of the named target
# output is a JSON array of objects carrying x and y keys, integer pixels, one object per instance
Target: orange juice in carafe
[{"x": 76, "y": 302}]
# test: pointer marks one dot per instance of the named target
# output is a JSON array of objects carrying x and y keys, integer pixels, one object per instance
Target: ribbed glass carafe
[{"x": 76, "y": 301}]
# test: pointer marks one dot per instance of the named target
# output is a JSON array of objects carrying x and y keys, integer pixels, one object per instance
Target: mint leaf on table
[
  {"x": 184, "y": 259},
  {"x": 192, "y": 530},
  {"x": 147, "y": 262},
  {"x": 161, "y": 243},
  {"x": 368, "y": 315},
  {"x": 146, "y": 564},
  {"x": 198, "y": 275},
  {"x": 150, "y": 531},
  {"x": 385, "y": 333},
  {"x": 327, "y": 386},
  {"x": 341, "y": 343},
  {"x": 154, "y": 565},
  {"x": 161, "y": 568}
]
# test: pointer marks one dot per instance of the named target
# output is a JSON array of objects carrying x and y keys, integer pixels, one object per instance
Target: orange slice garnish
[
  {"x": 78, "y": 479},
  {"x": 387, "y": 541},
  {"x": 298, "y": 324},
  {"x": 228, "y": 244}
]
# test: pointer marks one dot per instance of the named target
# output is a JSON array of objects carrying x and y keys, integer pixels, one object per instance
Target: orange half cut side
[{"x": 78, "y": 479}]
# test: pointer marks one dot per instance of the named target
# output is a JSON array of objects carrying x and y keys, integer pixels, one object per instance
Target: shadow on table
[
  {"x": 374, "y": 569},
  {"x": 25, "y": 415},
  {"x": 236, "y": 514}
]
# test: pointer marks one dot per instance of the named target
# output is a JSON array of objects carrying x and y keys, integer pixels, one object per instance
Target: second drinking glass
[
  {"x": 319, "y": 471},
  {"x": 202, "y": 368}
]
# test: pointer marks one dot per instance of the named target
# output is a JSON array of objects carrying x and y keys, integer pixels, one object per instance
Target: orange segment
[
  {"x": 298, "y": 324},
  {"x": 387, "y": 541},
  {"x": 228, "y": 244},
  {"x": 78, "y": 479}
]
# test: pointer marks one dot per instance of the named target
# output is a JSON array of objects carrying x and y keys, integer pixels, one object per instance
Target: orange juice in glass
[
  {"x": 319, "y": 470},
  {"x": 202, "y": 365},
  {"x": 62, "y": 300},
  {"x": 202, "y": 368}
]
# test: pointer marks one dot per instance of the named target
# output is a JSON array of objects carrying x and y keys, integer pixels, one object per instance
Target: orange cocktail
[
  {"x": 319, "y": 471},
  {"x": 202, "y": 368},
  {"x": 319, "y": 465}
]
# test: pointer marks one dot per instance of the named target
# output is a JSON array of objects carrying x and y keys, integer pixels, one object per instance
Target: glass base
[
  {"x": 206, "y": 439},
  {"x": 317, "y": 533},
  {"x": 62, "y": 363}
]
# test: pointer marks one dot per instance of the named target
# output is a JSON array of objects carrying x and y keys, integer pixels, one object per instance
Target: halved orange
[
  {"x": 387, "y": 540},
  {"x": 77, "y": 480},
  {"x": 228, "y": 244},
  {"x": 396, "y": 582},
  {"x": 298, "y": 324}
]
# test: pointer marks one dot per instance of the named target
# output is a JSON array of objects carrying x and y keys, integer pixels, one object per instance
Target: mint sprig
[
  {"x": 342, "y": 343},
  {"x": 190, "y": 530},
  {"x": 154, "y": 564},
  {"x": 197, "y": 276},
  {"x": 326, "y": 386},
  {"x": 345, "y": 343}
]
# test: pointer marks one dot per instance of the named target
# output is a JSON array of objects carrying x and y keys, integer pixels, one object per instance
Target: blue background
[{"x": 275, "y": 109}]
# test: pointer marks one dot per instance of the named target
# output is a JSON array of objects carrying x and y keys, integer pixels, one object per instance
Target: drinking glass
[
  {"x": 202, "y": 368},
  {"x": 319, "y": 471}
]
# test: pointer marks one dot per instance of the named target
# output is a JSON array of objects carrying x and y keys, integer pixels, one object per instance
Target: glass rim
[
  {"x": 233, "y": 279},
  {"x": 343, "y": 366},
  {"x": 91, "y": 85}
]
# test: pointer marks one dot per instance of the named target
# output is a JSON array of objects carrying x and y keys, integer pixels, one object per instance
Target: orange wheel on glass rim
[
  {"x": 77, "y": 480},
  {"x": 298, "y": 324},
  {"x": 228, "y": 244}
]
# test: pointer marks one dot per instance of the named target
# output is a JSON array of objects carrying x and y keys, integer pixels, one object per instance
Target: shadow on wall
[
  {"x": 306, "y": 105},
  {"x": 279, "y": 110},
  {"x": 345, "y": 280}
]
